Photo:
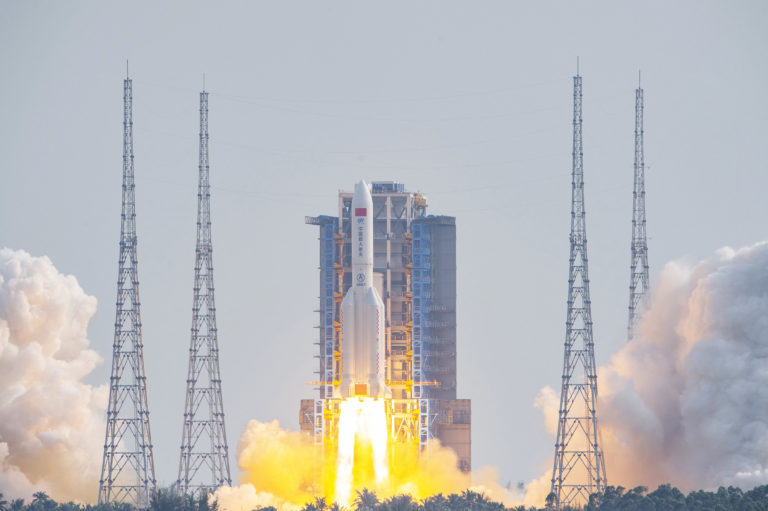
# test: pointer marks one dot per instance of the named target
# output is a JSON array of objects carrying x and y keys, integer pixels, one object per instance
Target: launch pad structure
[
  {"x": 413, "y": 256},
  {"x": 415, "y": 275}
]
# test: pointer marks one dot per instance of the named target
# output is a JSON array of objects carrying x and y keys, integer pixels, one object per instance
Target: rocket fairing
[{"x": 362, "y": 311}]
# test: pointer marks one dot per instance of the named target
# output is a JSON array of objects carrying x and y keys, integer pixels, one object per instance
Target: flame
[
  {"x": 361, "y": 459},
  {"x": 284, "y": 469}
]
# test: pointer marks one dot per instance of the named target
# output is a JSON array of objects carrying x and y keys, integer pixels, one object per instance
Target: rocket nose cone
[{"x": 362, "y": 188}]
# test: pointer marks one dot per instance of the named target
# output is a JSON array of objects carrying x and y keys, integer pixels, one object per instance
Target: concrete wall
[
  {"x": 305, "y": 416},
  {"x": 454, "y": 429}
]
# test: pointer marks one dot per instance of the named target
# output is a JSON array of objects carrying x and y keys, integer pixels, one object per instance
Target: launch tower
[
  {"x": 415, "y": 276},
  {"x": 204, "y": 460},
  {"x": 638, "y": 278},
  {"x": 128, "y": 469},
  {"x": 579, "y": 467}
]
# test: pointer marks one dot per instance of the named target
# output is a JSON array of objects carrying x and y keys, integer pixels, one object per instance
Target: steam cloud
[
  {"x": 685, "y": 402},
  {"x": 51, "y": 423}
]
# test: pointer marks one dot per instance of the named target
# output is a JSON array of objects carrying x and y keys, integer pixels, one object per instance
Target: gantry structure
[
  {"x": 579, "y": 467},
  {"x": 415, "y": 274},
  {"x": 128, "y": 469},
  {"x": 204, "y": 460},
  {"x": 638, "y": 278}
]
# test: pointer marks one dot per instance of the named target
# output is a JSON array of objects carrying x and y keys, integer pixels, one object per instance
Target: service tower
[{"x": 414, "y": 273}]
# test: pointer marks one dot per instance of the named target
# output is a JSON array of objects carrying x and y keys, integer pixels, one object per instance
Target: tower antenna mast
[
  {"x": 128, "y": 469},
  {"x": 638, "y": 277},
  {"x": 204, "y": 460},
  {"x": 579, "y": 467}
]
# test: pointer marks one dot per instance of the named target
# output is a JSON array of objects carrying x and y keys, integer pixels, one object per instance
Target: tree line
[{"x": 615, "y": 498}]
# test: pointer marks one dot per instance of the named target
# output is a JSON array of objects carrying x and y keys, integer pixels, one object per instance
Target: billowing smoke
[
  {"x": 51, "y": 423},
  {"x": 278, "y": 470},
  {"x": 686, "y": 401}
]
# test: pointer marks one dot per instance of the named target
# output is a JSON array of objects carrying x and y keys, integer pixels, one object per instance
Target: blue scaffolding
[
  {"x": 327, "y": 339},
  {"x": 421, "y": 282}
]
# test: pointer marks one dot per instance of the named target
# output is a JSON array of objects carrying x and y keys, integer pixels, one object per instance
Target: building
[{"x": 415, "y": 275}]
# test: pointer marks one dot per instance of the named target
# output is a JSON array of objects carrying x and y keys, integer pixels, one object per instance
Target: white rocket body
[{"x": 363, "y": 345}]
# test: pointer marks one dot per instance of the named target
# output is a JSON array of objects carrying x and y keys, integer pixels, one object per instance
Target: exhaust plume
[
  {"x": 51, "y": 423},
  {"x": 278, "y": 469},
  {"x": 685, "y": 402}
]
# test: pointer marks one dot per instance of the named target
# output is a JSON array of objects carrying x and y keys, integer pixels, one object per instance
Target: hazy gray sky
[{"x": 468, "y": 102}]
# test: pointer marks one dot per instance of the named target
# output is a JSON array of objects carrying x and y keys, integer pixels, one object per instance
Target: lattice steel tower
[
  {"x": 638, "y": 278},
  {"x": 128, "y": 469},
  {"x": 579, "y": 468},
  {"x": 204, "y": 461}
]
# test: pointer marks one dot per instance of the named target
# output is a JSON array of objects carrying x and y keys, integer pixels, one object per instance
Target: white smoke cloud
[
  {"x": 686, "y": 402},
  {"x": 51, "y": 423}
]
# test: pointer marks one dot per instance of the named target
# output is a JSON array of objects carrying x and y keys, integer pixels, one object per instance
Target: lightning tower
[
  {"x": 204, "y": 461},
  {"x": 638, "y": 278},
  {"x": 128, "y": 469},
  {"x": 579, "y": 468}
]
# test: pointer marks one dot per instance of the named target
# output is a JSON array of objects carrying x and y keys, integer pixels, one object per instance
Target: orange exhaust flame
[
  {"x": 362, "y": 447},
  {"x": 283, "y": 468}
]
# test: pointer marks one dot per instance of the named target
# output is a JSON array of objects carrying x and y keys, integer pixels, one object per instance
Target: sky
[{"x": 467, "y": 102}]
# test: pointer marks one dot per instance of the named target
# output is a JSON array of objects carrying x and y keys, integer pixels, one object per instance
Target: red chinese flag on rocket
[{"x": 360, "y": 211}]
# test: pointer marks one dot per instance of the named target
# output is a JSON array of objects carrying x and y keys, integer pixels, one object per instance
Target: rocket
[{"x": 363, "y": 349}]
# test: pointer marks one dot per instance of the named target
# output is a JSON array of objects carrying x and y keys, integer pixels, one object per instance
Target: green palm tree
[
  {"x": 435, "y": 503},
  {"x": 41, "y": 502},
  {"x": 399, "y": 503},
  {"x": 319, "y": 504},
  {"x": 456, "y": 503},
  {"x": 39, "y": 498},
  {"x": 366, "y": 500},
  {"x": 474, "y": 500}
]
